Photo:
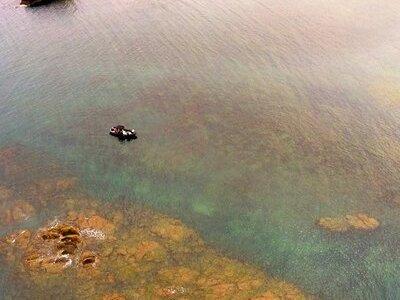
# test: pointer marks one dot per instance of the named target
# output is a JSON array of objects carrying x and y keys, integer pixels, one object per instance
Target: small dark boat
[
  {"x": 122, "y": 133},
  {"x": 34, "y": 2}
]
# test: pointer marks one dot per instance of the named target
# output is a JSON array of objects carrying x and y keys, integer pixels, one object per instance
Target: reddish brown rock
[
  {"x": 8, "y": 157},
  {"x": 114, "y": 296},
  {"x": 5, "y": 193},
  {"x": 19, "y": 239},
  {"x": 278, "y": 290},
  {"x": 98, "y": 248},
  {"x": 223, "y": 290},
  {"x": 249, "y": 284},
  {"x": 118, "y": 217},
  {"x": 8, "y": 154},
  {"x": 22, "y": 210},
  {"x": 65, "y": 184},
  {"x": 144, "y": 262},
  {"x": 19, "y": 211},
  {"x": 333, "y": 224},
  {"x": 149, "y": 250},
  {"x": 267, "y": 296},
  {"x": 53, "y": 185},
  {"x": 178, "y": 275},
  {"x": 53, "y": 249},
  {"x": 172, "y": 229},
  {"x": 88, "y": 259},
  {"x": 170, "y": 291},
  {"x": 360, "y": 222},
  {"x": 93, "y": 222}
]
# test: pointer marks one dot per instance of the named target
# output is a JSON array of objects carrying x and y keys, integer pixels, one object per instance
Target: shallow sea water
[{"x": 255, "y": 118}]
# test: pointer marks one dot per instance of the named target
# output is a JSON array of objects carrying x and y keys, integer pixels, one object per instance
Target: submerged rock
[
  {"x": 281, "y": 290},
  {"x": 95, "y": 223},
  {"x": 150, "y": 251},
  {"x": 53, "y": 185},
  {"x": 171, "y": 229},
  {"x": 143, "y": 262},
  {"x": 53, "y": 249},
  {"x": 20, "y": 211},
  {"x": 106, "y": 251},
  {"x": 9, "y": 162},
  {"x": 5, "y": 193},
  {"x": 88, "y": 259},
  {"x": 19, "y": 239},
  {"x": 333, "y": 224},
  {"x": 170, "y": 292},
  {"x": 13, "y": 211},
  {"x": 114, "y": 296},
  {"x": 360, "y": 222},
  {"x": 178, "y": 275}
]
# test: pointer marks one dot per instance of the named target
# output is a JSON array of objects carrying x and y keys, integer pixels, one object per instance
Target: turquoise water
[{"x": 255, "y": 118}]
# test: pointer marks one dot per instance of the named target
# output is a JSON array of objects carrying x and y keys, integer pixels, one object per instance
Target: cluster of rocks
[
  {"x": 159, "y": 258},
  {"x": 109, "y": 252},
  {"x": 357, "y": 222},
  {"x": 56, "y": 248},
  {"x": 89, "y": 249}
]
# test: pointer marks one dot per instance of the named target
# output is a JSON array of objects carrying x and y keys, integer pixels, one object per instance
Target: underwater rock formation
[
  {"x": 53, "y": 249},
  {"x": 5, "y": 193},
  {"x": 98, "y": 250},
  {"x": 13, "y": 210},
  {"x": 359, "y": 222},
  {"x": 50, "y": 186},
  {"x": 114, "y": 296},
  {"x": 19, "y": 211},
  {"x": 9, "y": 165},
  {"x": 171, "y": 229},
  {"x": 159, "y": 257}
]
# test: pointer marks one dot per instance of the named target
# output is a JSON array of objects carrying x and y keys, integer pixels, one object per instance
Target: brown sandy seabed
[{"x": 84, "y": 248}]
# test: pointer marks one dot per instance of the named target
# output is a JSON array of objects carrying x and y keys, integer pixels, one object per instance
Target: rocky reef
[
  {"x": 68, "y": 244},
  {"x": 12, "y": 209},
  {"x": 357, "y": 222},
  {"x": 158, "y": 258}
]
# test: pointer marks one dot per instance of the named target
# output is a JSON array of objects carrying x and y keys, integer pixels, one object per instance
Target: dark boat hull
[
  {"x": 34, "y": 2},
  {"x": 124, "y": 137}
]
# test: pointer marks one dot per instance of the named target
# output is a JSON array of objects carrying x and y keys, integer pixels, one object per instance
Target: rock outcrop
[
  {"x": 5, "y": 193},
  {"x": 159, "y": 257},
  {"x": 53, "y": 249},
  {"x": 98, "y": 250},
  {"x": 358, "y": 222},
  {"x": 12, "y": 209}
]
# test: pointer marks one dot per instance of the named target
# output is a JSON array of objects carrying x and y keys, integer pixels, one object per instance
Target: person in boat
[
  {"x": 117, "y": 130},
  {"x": 121, "y": 132}
]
